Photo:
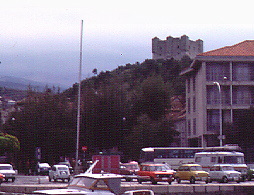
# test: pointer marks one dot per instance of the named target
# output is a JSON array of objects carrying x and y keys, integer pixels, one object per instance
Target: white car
[
  {"x": 224, "y": 173},
  {"x": 8, "y": 171},
  {"x": 59, "y": 172}
]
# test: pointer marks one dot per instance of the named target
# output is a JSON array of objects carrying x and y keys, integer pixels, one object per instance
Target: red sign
[{"x": 84, "y": 148}]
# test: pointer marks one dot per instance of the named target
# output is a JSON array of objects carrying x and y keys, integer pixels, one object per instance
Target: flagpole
[{"x": 79, "y": 99}]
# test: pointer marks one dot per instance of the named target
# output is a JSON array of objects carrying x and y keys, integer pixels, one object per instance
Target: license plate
[{"x": 164, "y": 178}]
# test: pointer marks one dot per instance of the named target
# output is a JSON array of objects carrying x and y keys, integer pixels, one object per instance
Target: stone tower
[{"x": 176, "y": 48}]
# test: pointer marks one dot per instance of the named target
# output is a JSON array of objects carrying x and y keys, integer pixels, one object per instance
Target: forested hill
[
  {"x": 120, "y": 109},
  {"x": 131, "y": 76}
]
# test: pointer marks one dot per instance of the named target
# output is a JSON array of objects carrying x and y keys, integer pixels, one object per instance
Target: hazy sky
[{"x": 39, "y": 39}]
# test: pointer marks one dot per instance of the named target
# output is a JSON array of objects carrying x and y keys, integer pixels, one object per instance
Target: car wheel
[
  {"x": 153, "y": 181},
  {"x": 139, "y": 181},
  {"x": 49, "y": 179},
  {"x": 178, "y": 180},
  {"x": 169, "y": 182},
  {"x": 13, "y": 179},
  {"x": 192, "y": 180},
  {"x": 68, "y": 179},
  {"x": 249, "y": 178},
  {"x": 128, "y": 179},
  {"x": 207, "y": 180},
  {"x": 224, "y": 179}
]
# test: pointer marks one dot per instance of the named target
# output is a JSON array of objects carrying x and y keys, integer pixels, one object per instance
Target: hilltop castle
[{"x": 176, "y": 48}]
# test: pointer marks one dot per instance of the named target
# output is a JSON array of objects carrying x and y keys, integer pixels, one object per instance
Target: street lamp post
[
  {"x": 79, "y": 101},
  {"x": 220, "y": 112}
]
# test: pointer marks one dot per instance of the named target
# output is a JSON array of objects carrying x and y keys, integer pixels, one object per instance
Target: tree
[
  {"x": 149, "y": 133},
  {"x": 8, "y": 143},
  {"x": 45, "y": 121},
  {"x": 153, "y": 98}
]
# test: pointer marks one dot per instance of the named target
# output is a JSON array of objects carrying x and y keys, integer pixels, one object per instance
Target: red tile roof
[{"x": 245, "y": 48}]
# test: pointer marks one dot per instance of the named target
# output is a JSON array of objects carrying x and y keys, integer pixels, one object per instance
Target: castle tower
[{"x": 176, "y": 48}]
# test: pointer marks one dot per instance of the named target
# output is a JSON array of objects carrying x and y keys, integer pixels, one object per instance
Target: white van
[{"x": 209, "y": 158}]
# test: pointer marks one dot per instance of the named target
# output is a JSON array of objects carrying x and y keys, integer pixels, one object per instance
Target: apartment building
[
  {"x": 176, "y": 48},
  {"x": 219, "y": 87}
]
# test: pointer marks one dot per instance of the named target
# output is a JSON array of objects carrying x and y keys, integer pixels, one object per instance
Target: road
[{"x": 37, "y": 180}]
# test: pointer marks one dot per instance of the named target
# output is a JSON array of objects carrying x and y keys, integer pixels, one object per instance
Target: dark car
[
  {"x": 250, "y": 172},
  {"x": 129, "y": 170}
]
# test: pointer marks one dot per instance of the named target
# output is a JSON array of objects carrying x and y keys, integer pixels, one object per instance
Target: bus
[{"x": 173, "y": 156}]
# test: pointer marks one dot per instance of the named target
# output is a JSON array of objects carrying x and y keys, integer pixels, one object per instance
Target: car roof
[
  {"x": 190, "y": 165},
  {"x": 228, "y": 165},
  {"x": 5, "y": 165},
  {"x": 61, "y": 166},
  {"x": 156, "y": 164}
]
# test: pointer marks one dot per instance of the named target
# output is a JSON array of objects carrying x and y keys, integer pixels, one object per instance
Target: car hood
[
  {"x": 164, "y": 172},
  {"x": 230, "y": 172},
  {"x": 72, "y": 191}
]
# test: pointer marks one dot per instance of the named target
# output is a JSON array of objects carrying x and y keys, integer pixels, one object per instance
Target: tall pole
[
  {"x": 79, "y": 99},
  {"x": 220, "y": 114}
]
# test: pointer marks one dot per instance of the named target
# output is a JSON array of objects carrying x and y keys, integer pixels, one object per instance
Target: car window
[
  {"x": 213, "y": 169},
  {"x": 227, "y": 168},
  {"x": 213, "y": 159},
  {"x": 5, "y": 167},
  {"x": 198, "y": 159},
  {"x": 195, "y": 168}
]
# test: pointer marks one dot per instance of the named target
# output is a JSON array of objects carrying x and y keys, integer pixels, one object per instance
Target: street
[{"x": 43, "y": 180}]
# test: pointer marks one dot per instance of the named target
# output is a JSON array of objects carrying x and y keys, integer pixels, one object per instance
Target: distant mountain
[{"x": 23, "y": 84}]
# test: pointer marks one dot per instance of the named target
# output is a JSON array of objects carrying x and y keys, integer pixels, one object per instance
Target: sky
[{"x": 40, "y": 39}]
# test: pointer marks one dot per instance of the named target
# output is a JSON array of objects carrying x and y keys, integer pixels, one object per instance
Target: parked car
[
  {"x": 2, "y": 178},
  {"x": 67, "y": 163},
  {"x": 42, "y": 169},
  {"x": 224, "y": 173},
  {"x": 250, "y": 172},
  {"x": 8, "y": 172},
  {"x": 59, "y": 172},
  {"x": 155, "y": 173},
  {"x": 129, "y": 170},
  {"x": 192, "y": 173}
]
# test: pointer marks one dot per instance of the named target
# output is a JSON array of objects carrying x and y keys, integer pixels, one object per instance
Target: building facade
[
  {"x": 176, "y": 48},
  {"x": 219, "y": 87}
]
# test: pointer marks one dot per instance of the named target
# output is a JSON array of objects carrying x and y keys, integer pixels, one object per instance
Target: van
[{"x": 209, "y": 158}]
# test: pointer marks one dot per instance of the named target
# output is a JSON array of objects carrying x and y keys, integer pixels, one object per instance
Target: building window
[
  {"x": 189, "y": 106},
  {"x": 242, "y": 95},
  {"x": 194, "y": 126},
  {"x": 189, "y": 127},
  {"x": 188, "y": 85},
  {"x": 194, "y": 83},
  {"x": 243, "y": 71},
  {"x": 217, "y": 71},
  {"x": 194, "y": 104},
  {"x": 213, "y": 95},
  {"x": 213, "y": 121}
]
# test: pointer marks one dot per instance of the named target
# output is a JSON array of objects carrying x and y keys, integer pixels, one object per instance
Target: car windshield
[
  {"x": 196, "y": 168},
  {"x": 158, "y": 168},
  {"x": 5, "y": 167},
  {"x": 234, "y": 159},
  {"x": 62, "y": 168},
  {"x": 132, "y": 167},
  {"x": 227, "y": 168}
]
